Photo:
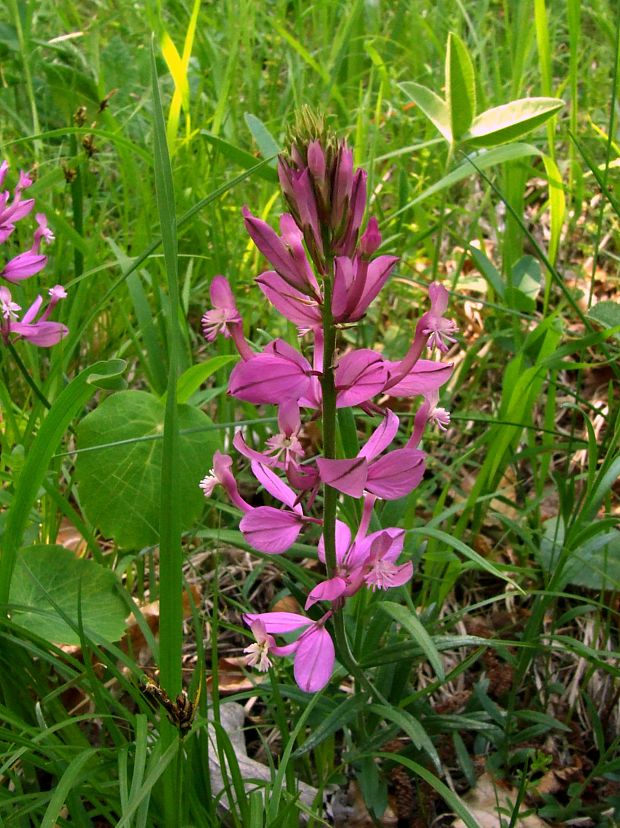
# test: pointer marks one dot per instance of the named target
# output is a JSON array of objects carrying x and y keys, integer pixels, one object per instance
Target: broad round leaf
[
  {"x": 49, "y": 587},
  {"x": 119, "y": 477}
]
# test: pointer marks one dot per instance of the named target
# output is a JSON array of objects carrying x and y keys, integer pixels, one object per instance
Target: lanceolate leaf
[
  {"x": 510, "y": 121},
  {"x": 460, "y": 86},
  {"x": 431, "y": 105}
]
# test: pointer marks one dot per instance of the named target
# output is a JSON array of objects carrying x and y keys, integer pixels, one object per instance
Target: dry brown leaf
[
  {"x": 232, "y": 678},
  {"x": 491, "y": 803},
  {"x": 69, "y": 537}
]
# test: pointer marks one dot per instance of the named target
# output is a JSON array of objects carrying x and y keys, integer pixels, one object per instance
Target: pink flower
[
  {"x": 286, "y": 254},
  {"x": 369, "y": 561},
  {"x": 26, "y": 264},
  {"x": 41, "y": 332},
  {"x": 432, "y": 330},
  {"x": 390, "y": 477},
  {"x": 284, "y": 447},
  {"x": 268, "y": 529},
  {"x": 221, "y": 475},
  {"x": 356, "y": 284},
  {"x": 225, "y": 318},
  {"x": 301, "y": 309},
  {"x": 313, "y": 651},
  {"x": 278, "y": 373}
]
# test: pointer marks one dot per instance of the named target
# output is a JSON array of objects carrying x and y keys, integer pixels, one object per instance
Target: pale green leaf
[
  {"x": 435, "y": 109},
  {"x": 460, "y": 86},
  {"x": 511, "y": 121}
]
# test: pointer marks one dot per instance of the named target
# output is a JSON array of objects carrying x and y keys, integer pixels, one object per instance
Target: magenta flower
[
  {"x": 286, "y": 254},
  {"x": 18, "y": 208},
  {"x": 269, "y": 529},
  {"x": 39, "y": 331},
  {"x": 221, "y": 475},
  {"x": 390, "y": 477},
  {"x": 367, "y": 561},
  {"x": 278, "y": 373},
  {"x": 323, "y": 277},
  {"x": 26, "y": 264},
  {"x": 313, "y": 651},
  {"x": 356, "y": 283}
]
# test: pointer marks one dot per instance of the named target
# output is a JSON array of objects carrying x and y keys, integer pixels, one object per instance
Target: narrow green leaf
[
  {"x": 435, "y": 109},
  {"x": 410, "y": 621},
  {"x": 482, "y": 160},
  {"x": 239, "y": 156},
  {"x": 460, "y": 86},
  {"x": 450, "y": 798},
  {"x": 511, "y": 121},
  {"x": 63, "y": 787},
  {"x": 265, "y": 141},
  {"x": 336, "y": 720},
  {"x": 557, "y": 205},
  {"x": 411, "y": 726},
  {"x": 191, "y": 380},
  {"x": 488, "y": 271}
]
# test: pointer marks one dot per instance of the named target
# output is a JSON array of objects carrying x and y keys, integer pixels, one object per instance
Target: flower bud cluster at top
[
  {"x": 40, "y": 331},
  {"x": 323, "y": 276}
]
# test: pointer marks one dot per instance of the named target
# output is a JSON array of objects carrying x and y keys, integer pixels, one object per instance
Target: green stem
[
  {"x": 330, "y": 496},
  {"x": 442, "y": 216}
]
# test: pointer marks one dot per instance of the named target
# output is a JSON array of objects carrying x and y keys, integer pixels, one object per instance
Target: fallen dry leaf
[{"x": 491, "y": 803}]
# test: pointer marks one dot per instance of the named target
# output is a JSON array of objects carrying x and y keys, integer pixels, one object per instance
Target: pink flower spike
[{"x": 360, "y": 375}]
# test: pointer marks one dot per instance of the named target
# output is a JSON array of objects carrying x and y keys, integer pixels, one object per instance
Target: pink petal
[
  {"x": 381, "y": 438},
  {"x": 270, "y": 530},
  {"x": 393, "y": 540},
  {"x": 275, "y": 486},
  {"x": 396, "y": 474},
  {"x": 23, "y": 266},
  {"x": 243, "y": 448},
  {"x": 426, "y": 376},
  {"x": 343, "y": 279},
  {"x": 326, "y": 591},
  {"x": 360, "y": 375},
  {"x": 343, "y": 541},
  {"x": 267, "y": 378},
  {"x": 289, "y": 420},
  {"x": 290, "y": 302},
  {"x": 314, "y": 661},
  {"x": 379, "y": 271},
  {"x": 277, "y": 623},
  {"x": 221, "y": 294},
  {"x": 43, "y": 334},
  {"x": 439, "y": 297},
  {"x": 348, "y": 476}
]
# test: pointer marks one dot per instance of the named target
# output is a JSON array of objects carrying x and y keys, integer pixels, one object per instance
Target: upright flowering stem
[{"x": 328, "y": 386}]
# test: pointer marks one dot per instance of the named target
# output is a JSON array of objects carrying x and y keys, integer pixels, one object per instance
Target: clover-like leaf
[
  {"x": 435, "y": 109},
  {"x": 460, "y": 86},
  {"x": 510, "y": 121},
  {"x": 119, "y": 465}
]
